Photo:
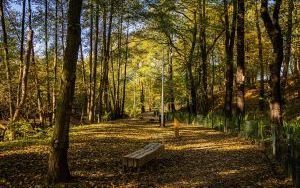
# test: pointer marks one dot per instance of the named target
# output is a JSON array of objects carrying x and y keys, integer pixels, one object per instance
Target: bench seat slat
[{"x": 142, "y": 156}]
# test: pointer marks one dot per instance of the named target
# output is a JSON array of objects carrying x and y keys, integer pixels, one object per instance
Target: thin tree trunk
[
  {"x": 91, "y": 63},
  {"x": 55, "y": 61},
  {"x": 47, "y": 62},
  {"x": 62, "y": 28},
  {"x": 125, "y": 68},
  {"x": 6, "y": 61},
  {"x": 38, "y": 90},
  {"x": 240, "y": 72},
  {"x": 288, "y": 43},
  {"x": 261, "y": 62},
  {"x": 21, "y": 50},
  {"x": 229, "y": 43},
  {"x": 171, "y": 84},
  {"x": 118, "y": 111},
  {"x": 104, "y": 61},
  {"x": 23, "y": 94},
  {"x": 274, "y": 31},
  {"x": 58, "y": 169},
  {"x": 84, "y": 106}
]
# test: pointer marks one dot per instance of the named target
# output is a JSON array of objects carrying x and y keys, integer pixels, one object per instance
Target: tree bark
[
  {"x": 23, "y": 93},
  {"x": 240, "y": 74},
  {"x": 6, "y": 61},
  {"x": 288, "y": 45},
  {"x": 58, "y": 169},
  {"x": 125, "y": 68},
  {"x": 38, "y": 90},
  {"x": 21, "y": 50},
  {"x": 274, "y": 32},
  {"x": 261, "y": 62},
  {"x": 229, "y": 43},
  {"x": 94, "y": 68},
  {"x": 192, "y": 87},
  {"x": 55, "y": 61},
  {"x": 47, "y": 62},
  {"x": 89, "y": 111},
  {"x": 171, "y": 84}
]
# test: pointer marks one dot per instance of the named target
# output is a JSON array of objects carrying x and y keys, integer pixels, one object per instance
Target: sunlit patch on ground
[{"x": 198, "y": 158}]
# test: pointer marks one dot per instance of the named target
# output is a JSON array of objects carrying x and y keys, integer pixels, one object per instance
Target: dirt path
[{"x": 200, "y": 158}]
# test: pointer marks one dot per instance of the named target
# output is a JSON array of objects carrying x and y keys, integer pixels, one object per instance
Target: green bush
[{"x": 19, "y": 130}]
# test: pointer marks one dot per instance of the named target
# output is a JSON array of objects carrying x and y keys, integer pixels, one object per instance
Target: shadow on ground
[{"x": 199, "y": 158}]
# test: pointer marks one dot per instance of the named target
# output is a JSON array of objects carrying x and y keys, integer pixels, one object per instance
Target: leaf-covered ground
[{"x": 199, "y": 158}]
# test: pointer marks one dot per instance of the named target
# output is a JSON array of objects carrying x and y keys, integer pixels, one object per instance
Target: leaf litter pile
[{"x": 198, "y": 158}]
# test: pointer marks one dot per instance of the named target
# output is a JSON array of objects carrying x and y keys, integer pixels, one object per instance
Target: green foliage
[
  {"x": 293, "y": 127},
  {"x": 19, "y": 129}
]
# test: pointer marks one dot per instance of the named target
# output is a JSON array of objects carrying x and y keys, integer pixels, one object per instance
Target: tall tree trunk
[
  {"x": 6, "y": 61},
  {"x": 274, "y": 32},
  {"x": 58, "y": 169},
  {"x": 203, "y": 48},
  {"x": 104, "y": 61},
  {"x": 171, "y": 84},
  {"x": 240, "y": 72},
  {"x": 37, "y": 86},
  {"x": 91, "y": 62},
  {"x": 23, "y": 94},
  {"x": 94, "y": 69},
  {"x": 85, "y": 88},
  {"x": 288, "y": 43},
  {"x": 125, "y": 68},
  {"x": 21, "y": 50},
  {"x": 229, "y": 43},
  {"x": 118, "y": 110},
  {"x": 261, "y": 62},
  {"x": 62, "y": 28},
  {"x": 55, "y": 61},
  {"x": 47, "y": 62},
  {"x": 189, "y": 69}
]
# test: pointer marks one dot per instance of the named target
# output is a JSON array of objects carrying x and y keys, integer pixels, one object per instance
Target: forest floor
[{"x": 201, "y": 157}]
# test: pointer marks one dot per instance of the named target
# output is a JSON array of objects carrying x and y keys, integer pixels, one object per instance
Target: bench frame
[{"x": 142, "y": 156}]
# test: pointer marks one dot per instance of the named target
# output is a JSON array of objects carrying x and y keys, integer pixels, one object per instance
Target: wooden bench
[{"x": 142, "y": 156}]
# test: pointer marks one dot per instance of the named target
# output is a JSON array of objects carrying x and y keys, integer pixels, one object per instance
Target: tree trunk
[
  {"x": 189, "y": 69},
  {"x": 240, "y": 74},
  {"x": 47, "y": 62},
  {"x": 23, "y": 93},
  {"x": 84, "y": 106},
  {"x": 55, "y": 61},
  {"x": 229, "y": 43},
  {"x": 21, "y": 50},
  {"x": 94, "y": 69},
  {"x": 104, "y": 61},
  {"x": 89, "y": 112},
  {"x": 38, "y": 90},
  {"x": 125, "y": 68},
  {"x": 171, "y": 84},
  {"x": 274, "y": 32},
  {"x": 261, "y": 62},
  {"x": 288, "y": 43},
  {"x": 58, "y": 169},
  {"x": 6, "y": 61}
]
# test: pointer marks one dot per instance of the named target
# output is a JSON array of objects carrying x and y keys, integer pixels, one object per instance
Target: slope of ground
[{"x": 199, "y": 158}]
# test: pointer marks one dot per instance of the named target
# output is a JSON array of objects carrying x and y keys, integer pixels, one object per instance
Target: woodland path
[{"x": 200, "y": 158}]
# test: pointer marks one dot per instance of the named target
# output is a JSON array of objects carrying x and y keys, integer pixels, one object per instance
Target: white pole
[{"x": 162, "y": 93}]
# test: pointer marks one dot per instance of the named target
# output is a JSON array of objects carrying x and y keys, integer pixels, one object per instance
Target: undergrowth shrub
[{"x": 19, "y": 129}]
